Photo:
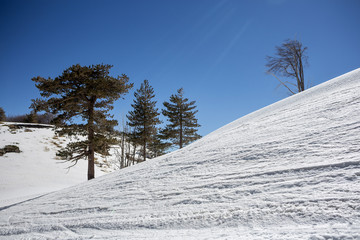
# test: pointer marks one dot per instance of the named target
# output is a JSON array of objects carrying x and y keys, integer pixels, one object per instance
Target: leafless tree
[
  {"x": 126, "y": 152},
  {"x": 289, "y": 61}
]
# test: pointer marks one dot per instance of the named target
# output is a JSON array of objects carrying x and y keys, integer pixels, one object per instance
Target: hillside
[
  {"x": 288, "y": 171},
  {"x": 36, "y": 169}
]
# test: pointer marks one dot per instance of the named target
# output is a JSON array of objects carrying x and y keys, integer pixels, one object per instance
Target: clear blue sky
[{"x": 215, "y": 50}]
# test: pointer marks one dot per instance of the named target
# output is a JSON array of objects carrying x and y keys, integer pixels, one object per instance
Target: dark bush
[
  {"x": 2, "y": 114},
  {"x": 16, "y": 118},
  {"x": 9, "y": 148},
  {"x": 45, "y": 118}
]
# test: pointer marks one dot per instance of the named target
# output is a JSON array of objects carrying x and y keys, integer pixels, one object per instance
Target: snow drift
[{"x": 288, "y": 171}]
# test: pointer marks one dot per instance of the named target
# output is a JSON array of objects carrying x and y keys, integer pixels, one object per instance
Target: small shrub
[{"x": 9, "y": 148}]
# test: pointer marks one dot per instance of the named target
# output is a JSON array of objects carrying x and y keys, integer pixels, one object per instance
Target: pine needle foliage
[
  {"x": 80, "y": 99},
  {"x": 158, "y": 146},
  {"x": 183, "y": 125},
  {"x": 144, "y": 117}
]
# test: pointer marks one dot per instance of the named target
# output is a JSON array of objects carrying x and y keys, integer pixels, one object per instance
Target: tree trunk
[
  {"x": 122, "y": 163},
  {"x": 128, "y": 153},
  {"x": 144, "y": 150},
  {"x": 133, "y": 155},
  {"x": 181, "y": 130},
  {"x": 302, "y": 75},
  {"x": 91, "y": 138}
]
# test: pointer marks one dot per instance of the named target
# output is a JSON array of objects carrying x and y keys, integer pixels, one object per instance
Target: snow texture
[
  {"x": 288, "y": 171},
  {"x": 35, "y": 170}
]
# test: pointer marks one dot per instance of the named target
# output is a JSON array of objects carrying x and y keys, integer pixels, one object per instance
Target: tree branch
[{"x": 281, "y": 82}]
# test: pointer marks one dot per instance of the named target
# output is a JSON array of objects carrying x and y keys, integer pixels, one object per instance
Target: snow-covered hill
[
  {"x": 36, "y": 169},
  {"x": 288, "y": 171}
]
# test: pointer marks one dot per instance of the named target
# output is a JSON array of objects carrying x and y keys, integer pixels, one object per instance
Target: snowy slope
[
  {"x": 288, "y": 171},
  {"x": 35, "y": 170}
]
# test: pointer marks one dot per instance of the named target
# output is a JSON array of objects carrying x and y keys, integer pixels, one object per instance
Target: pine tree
[
  {"x": 158, "y": 146},
  {"x": 31, "y": 117},
  {"x": 80, "y": 99},
  {"x": 182, "y": 129},
  {"x": 144, "y": 117}
]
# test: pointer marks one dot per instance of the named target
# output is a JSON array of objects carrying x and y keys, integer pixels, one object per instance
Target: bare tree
[
  {"x": 126, "y": 151},
  {"x": 289, "y": 61}
]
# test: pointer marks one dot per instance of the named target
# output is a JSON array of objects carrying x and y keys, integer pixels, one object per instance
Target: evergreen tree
[
  {"x": 80, "y": 99},
  {"x": 31, "y": 117},
  {"x": 158, "y": 147},
  {"x": 144, "y": 117},
  {"x": 2, "y": 114},
  {"x": 182, "y": 129}
]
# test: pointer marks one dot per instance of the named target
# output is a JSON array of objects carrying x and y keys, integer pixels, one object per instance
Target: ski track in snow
[{"x": 288, "y": 171}]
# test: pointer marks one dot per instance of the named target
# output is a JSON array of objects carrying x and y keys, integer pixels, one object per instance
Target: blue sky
[{"x": 215, "y": 50}]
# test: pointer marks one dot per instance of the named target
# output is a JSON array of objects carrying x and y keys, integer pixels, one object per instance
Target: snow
[
  {"x": 288, "y": 171},
  {"x": 35, "y": 170}
]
